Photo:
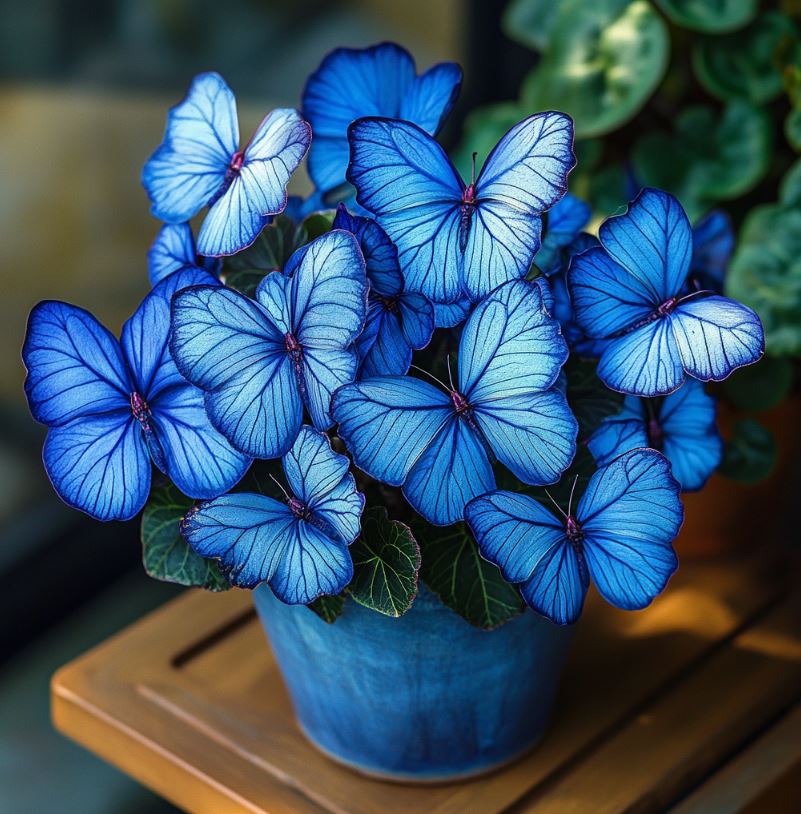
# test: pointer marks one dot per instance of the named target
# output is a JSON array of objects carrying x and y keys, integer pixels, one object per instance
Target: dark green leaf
[
  {"x": 792, "y": 129},
  {"x": 765, "y": 273},
  {"x": 746, "y": 65},
  {"x": 386, "y": 561},
  {"x": 318, "y": 224},
  {"x": 709, "y": 157},
  {"x": 603, "y": 61},
  {"x": 455, "y": 571},
  {"x": 760, "y": 386},
  {"x": 530, "y": 22},
  {"x": 328, "y": 608},
  {"x": 750, "y": 452},
  {"x": 790, "y": 188},
  {"x": 483, "y": 129},
  {"x": 711, "y": 16},
  {"x": 271, "y": 250},
  {"x": 165, "y": 553},
  {"x": 589, "y": 399}
]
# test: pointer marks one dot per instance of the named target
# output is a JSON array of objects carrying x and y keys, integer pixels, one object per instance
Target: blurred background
[{"x": 701, "y": 98}]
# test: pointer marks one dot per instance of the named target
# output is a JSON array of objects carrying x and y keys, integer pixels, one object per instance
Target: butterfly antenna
[
  {"x": 473, "y": 170},
  {"x": 570, "y": 499},
  {"x": 450, "y": 373},
  {"x": 278, "y": 484},
  {"x": 693, "y": 294},
  {"x": 558, "y": 507},
  {"x": 432, "y": 376}
]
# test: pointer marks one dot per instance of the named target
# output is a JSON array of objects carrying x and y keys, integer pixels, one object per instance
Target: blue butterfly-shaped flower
[
  {"x": 459, "y": 240},
  {"x": 629, "y": 291},
  {"x": 261, "y": 362},
  {"x": 621, "y": 535},
  {"x": 713, "y": 244},
  {"x": 377, "y": 81},
  {"x": 173, "y": 250},
  {"x": 299, "y": 547},
  {"x": 439, "y": 445},
  {"x": 113, "y": 405},
  {"x": 565, "y": 221},
  {"x": 681, "y": 425},
  {"x": 398, "y": 322},
  {"x": 200, "y": 164}
]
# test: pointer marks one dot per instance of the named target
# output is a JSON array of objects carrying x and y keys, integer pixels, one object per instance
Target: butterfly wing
[
  {"x": 715, "y": 335},
  {"x": 430, "y": 97},
  {"x": 713, "y": 244},
  {"x": 320, "y": 478},
  {"x": 382, "y": 347},
  {"x": 452, "y": 470},
  {"x": 189, "y": 167},
  {"x": 630, "y": 514},
  {"x": 348, "y": 84},
  {"x": 652, "y": 240},
  {"x": 227, "y": 345},
  {"x": 323, "y": 304},
  {"x": 404, "y": 177},
  {"x": 75, "y": 366},
  {"x": 173, "y": 248},
  {"x": 566, "y": 218},
  {"x": 525, "y": 174},
  {"x": 387, "y": 422},
  {"x": 692, "y": 442},
  {"x": 258, "y": 190},
  {"x": 529, "y": 545},
  {"x": 449, "y": 315},
  {"x": 616, "y": 436},
  {"x": 257, "y": 539},
  {"x": 510, "y": 355}
]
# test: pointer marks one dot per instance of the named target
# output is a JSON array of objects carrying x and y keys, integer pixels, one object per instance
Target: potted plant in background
[{"x": 399, "y": 423}]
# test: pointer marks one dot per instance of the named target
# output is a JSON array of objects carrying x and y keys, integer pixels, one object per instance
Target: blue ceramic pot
[{"x": 426, "y": 697}]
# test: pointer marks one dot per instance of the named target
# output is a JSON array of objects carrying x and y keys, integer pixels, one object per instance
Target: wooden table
[{"x": 692, "y": 706}]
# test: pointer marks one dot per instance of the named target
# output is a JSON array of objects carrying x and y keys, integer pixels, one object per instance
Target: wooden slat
[
  {"x": 691, "y": 728},
  {"x": 765, "y": 777},
  {"x": 190, "y": 702}
]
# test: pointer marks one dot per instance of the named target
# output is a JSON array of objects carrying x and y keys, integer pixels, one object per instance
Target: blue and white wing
[
  {"x": 616, "y": 436},
  {"x": 643, "y": 362},
  {"x": 257, "y": 539},
  {"x": 351, "y": 83},
  {"x": 525, "y": 174},
  {"x": 404, "y": 177},
  {"x": 630, "y": 514},
  {"x": 449, "y": 315},
  {"x": 692, "y": 442},
  {"x": 388, "y": 422},
  {"x": 100, "y": 464},
  {"x": 566, "y": 218},
  {"x": 382, "y": 347},
  {"x": 320, "y": 478},
  {"x": 258, "y": 190},
  {"x": 653, "y": 241},
  {"x": 452, "y": 470},
  {"x": 75, "y": 366},
  {"x": 189, "y": 167},
  {"x": 430, "y": 97},
  {"x": 510, "y": 345},
  {"x": 225, "y": 344},
  {"x": 715, "y": 336},
  {"x": 173, "y": 248}
]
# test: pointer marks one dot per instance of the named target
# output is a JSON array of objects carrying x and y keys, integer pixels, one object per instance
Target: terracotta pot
[{"x": 727, "y": 516}]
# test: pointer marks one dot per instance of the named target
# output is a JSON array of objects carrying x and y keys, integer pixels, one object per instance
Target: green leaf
[
  {"x": 530, "y": 22},
  {"x": 271, "y": 249},
  {"x": 386, "y": 562},
  {"x": 792, "y": 129},
  {"x": 761, "y": 386},
  {"x": 483, "y": 129},
  {"x": 589, "y": 399},
  {"x": 469, "y": 585},
  {"x": 318, "y": 224},
  {"x": 746, "y": 65},
  {"x": 765, "y": 273},
  {"x": 165, "y": 553},
  {"x": 790, "y": 187},
  {"x": 711, "y": 16},
  {"x": 603, "y": 62},
  {"x": 750, "y": 452},
  {"x": 328, "y": 608},
  {"x": 709, "y": 157}
]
